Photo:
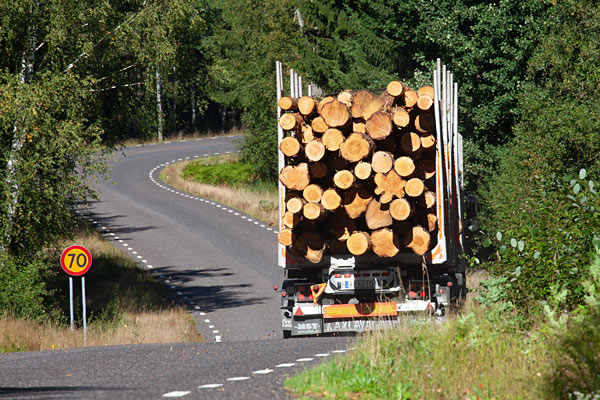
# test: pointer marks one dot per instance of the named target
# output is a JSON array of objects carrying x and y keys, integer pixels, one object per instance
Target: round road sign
[{"x": 76, "y": 260}]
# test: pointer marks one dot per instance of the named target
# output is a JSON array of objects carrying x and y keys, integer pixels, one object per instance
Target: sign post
[{"x": 76, "y": 261}]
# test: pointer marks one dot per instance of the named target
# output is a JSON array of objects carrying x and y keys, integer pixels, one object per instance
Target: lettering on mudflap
[
  {"x": 307, "y": 327},
  {"x": 286, "y": 323},
  {"x": 357, "y": 325}
]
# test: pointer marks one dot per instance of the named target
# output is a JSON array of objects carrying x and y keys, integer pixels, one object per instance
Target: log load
[{"x": 358, "y": 173}]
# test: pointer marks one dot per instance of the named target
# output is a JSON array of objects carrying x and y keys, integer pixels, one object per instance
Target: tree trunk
[
  {"x": 159, "y": 110},
  {"x": 193, "y": 107},
  {"x": 385, "y": 243}
]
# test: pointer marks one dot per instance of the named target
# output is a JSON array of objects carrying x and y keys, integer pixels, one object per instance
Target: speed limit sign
[{"x": 76, "y": 260}]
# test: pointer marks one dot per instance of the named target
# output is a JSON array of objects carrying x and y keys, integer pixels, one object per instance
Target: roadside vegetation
[
  {"x": 227, "y": 180},
  {"x": 125, "y": 305}
]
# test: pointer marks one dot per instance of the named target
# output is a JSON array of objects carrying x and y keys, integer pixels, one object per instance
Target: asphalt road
[{"x": 217, "y": 261}]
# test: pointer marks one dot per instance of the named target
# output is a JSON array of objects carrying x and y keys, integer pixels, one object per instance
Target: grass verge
[
  {"x": 257, "y": 200},
  {"x": 125, "y": 306},
  {"x": 179, "y": 136}
]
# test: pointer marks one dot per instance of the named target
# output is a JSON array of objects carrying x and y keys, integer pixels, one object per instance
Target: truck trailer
[{"x": 338, "y": 291}]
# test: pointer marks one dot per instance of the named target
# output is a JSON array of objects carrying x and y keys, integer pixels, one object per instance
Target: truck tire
[{"x": 287, "y": 334}]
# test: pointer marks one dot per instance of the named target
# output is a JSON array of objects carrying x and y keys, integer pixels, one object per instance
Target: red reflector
[
  {"x": 300, "y": 297},
  {"x": 299, "y": 312},
  {"x": 366, "y": 274},
  {"x": 357, "y": 274},
  {"x": 429, "y": 306},
  {"x": 422, "y": 294},
  {"x": 375, "y": 273},
  {"x": 347, "y": 275},
  {"x": 385, "y": 274},
  {"x": 275, "y": 287},
  {"x": 338, "y": 275},
  {"x": 441, "y": 291},
  {"x": 449, "y": 284},
  {"x": 311, "y": 297},
  {"x": 283, "y": 294}
]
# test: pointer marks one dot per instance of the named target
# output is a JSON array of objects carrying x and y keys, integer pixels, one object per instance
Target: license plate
[{"x": 364, "y": 284}]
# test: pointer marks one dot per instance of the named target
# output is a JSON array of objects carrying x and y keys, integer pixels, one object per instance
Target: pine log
[
  {"x": 404, "y": 166},
  {"x": 306, "y": 134},
  {"x": 332, "y": 138},
  {"x": 400, "y": 117},
  {"x": 343, "y": 179},
  {"x": 356, "y": 147},
  {"x": 428, "y": 167},
  {"x": 345, "y": 97},
  {"x": 424, "y": 102},
  {"x": 335, "y": 162},
  {"x": 385, "y": 243},
  {"x": 414, "y": 187},
  {"x": 291, "y": 121},
  {"x": 389, "y": 185},
  {"x": 410, "y": 142},
  {"x": 365, "y": 104},
  {"x": 389, "y": 144},
  {"x": 425, "y": 90},
  {"x": 418, "y": 240},
  {"x": 311, "y": 246},
  {"x": 337, "y": 247},
  {"x": 294, "y": 203},
  {"x": 318, "y": 125},
  {"x": 360, "y": 127},
  {"x": 395, "y": 88},
  {"x": 428, "y": 200},
  {"x": 312, "y": 193},
  {"x": 358, "y": 243},
  {"x": 285, "y": 237},
  {"x": 295, "y": 177},
  {"x": 323, "y": 102},
  {"x": 290, "y": 219},
  {"x": 318, "y": 169},
  {"x": 376, "y": 104},
  {"x": 331, "y": 200},
  {"x": 410, "y": 98},
  {"x": 314, "y": 150},
  {"x": 307, "y": 106},
  {"x": 424, "y": 122},
  {"x": 428, "y": 141},
  {"x": 288, "y": 103},
  {"x": 335, "y": 114},
  {"x": 376, "y": 216},
  {"x": 362, "y": 170},
  {"x": 313, "y": 211},
  {"x": 341, "y": 226},
  {"x": 356, "y": 201},
  {"x": 401, "y": 209},
  {"x": 379, "y": 126},
  {"x": 289, "y": 146},
  {"x": 431, "y": 222},
  {"x": 382, "y": 162}
]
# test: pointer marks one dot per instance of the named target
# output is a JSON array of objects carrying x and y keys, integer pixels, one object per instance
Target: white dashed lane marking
[{"x": 176, "y": 394}]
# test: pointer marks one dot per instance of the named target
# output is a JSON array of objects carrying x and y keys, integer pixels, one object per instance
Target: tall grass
[
  {"x": 125, "y": 306},
  {"x": 258, "y": 200}
]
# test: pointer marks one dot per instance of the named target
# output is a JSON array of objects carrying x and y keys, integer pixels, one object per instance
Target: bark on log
[
  {"x": 331, "y": 200},
  {"x": 314, "y": 150},
  {"x": 343, "y": 179},
  {"x": 295, "y": 177},
  {"x": 335, "y": 114},
  {"x": 291, "y": 121},
  {"x": 288, "y": 103},
  {"x": 289, "y": 146},
  {"x": 312, "y": 193},
  {"x": 385, "y": 243},
  {"x": 395, "y": 88},
  {"x": 410, "y": 98},
  {"x": 332, "y": 138},
  {"x": 414, "y": 187},
  {"x": 389, "y": 185},
  {"x": 358, "y": 243},
  {"x": 307, "y": 106},
  {"x": 362, "y": 170},
  {"x": 400, "y": 117},
  {"x": 356, "y": 201},
  {"x": 318, "y": 125},
  {"x": 313, "y": 211},
  {"x": 356, "y": 147},
  {"x": 318, "y": 169},
  {"x": 404, "y": 166},
  {"x": 401, "y": 209},
  {"x": 382, "y": 162},
  {"x": 379, "y": 125},
  {"x": 376, "y": 216},
  {"x": 418, "y": 240}
]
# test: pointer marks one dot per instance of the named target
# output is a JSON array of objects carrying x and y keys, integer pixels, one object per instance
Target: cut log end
[
  {"x": 382, "y": 162},
  {"x": 388, "y": 186},
  {"x": 356, "y": 147},
  {"x": 332, "y": 138},
  {"x": 295, "y": 177},
  {"x": 307, "y": 106},
  {"x": 376, "y": 216},
  {"x": 289, "y": 146},
  {"x": 285, "y": 237},
  {"x": 358, "y": 243},
  {"x": 395, "y": 88},
  {"x": 379, "y": 126},
  {"x": 404, "y": 166},
  {"x": 312, "y": 193},
  {"x": 424, "y": 123},
  {"x": 290, "y": 219},
  {"x": 290, "y": 121},
  {"x": 400, "y": 117},
  {"x": 356, "y": 201},
  {"x": 335, "y": 114},
  {"x": 314, "y": 150},
  {"x": 318, "y": 125},
  {"x": 288, "y": 103},
  {"x": 313, "y": 211},
  {"x": 424, "y": 102},
  {"x": 331, "y": 200},
  {"x": 401, "y": 209},
  {"x": 343, "y": 179},
  {"x": 294, "y": 204},
  {"x": 414, "y": 187},
  {"x": 385, "y": 243},
  {"x": 362, "y": 170},
  {"x": 410, "y": 142},
  {"x": 418, "y": 240},
  {"x": 318, "y": 169},
  {"x": 410, "y": 98}
]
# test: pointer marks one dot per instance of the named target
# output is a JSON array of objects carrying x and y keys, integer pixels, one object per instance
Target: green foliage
[
  {"x": 22, "y": 289},
  {"x": 226, "y": 173}
]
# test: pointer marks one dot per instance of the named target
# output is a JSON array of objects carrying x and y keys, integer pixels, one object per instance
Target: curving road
[{"x": 219, "y": 262}]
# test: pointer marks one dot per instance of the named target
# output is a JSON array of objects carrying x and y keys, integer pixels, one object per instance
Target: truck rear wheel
[{"x": 287, "y": 334}]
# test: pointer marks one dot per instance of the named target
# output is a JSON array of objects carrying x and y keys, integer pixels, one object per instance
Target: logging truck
[{"x": 370, "y": 205}]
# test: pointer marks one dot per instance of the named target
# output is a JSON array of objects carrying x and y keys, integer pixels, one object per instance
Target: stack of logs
[{"x": 359, "y": 172}]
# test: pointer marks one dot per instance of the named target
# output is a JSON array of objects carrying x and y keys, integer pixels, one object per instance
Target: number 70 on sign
[{"x": 76, "y": 260}]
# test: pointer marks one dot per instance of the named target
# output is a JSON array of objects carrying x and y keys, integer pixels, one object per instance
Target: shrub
[
  {"x": 22, "y": 289},
  {"x": 227, "y": 173}
]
